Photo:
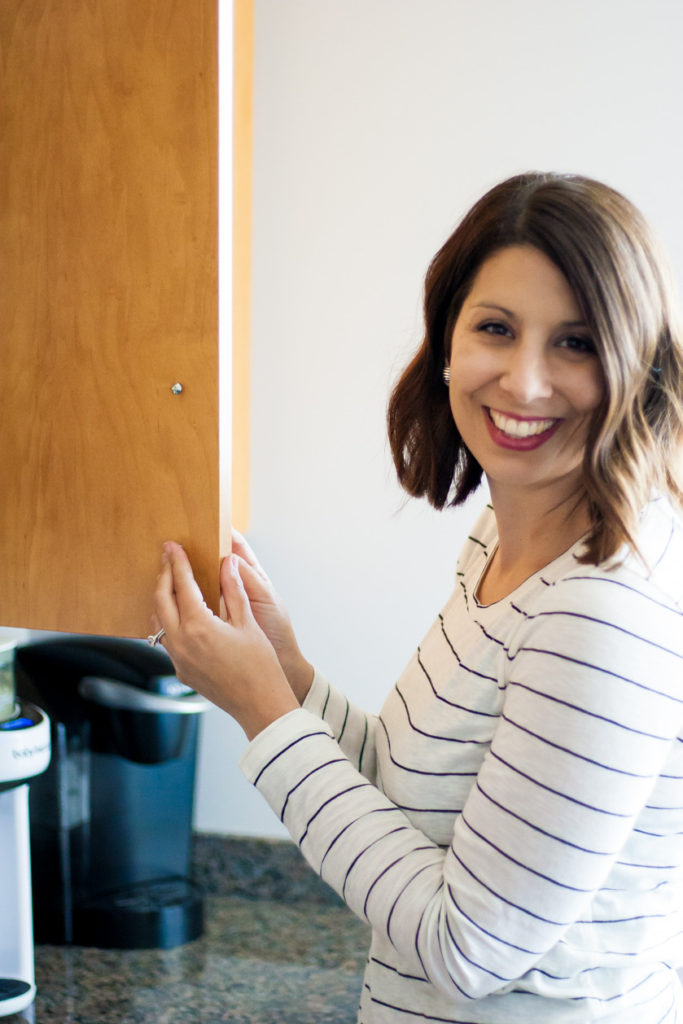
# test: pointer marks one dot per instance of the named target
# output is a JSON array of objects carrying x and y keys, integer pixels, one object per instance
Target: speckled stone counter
[{"x": 279, "y": 947}]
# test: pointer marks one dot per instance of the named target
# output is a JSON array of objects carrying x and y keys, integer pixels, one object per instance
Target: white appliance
[{"x": 24, "y": 753}]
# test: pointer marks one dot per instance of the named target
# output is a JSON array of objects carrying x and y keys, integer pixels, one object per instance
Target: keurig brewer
[{"x": 111, "y": 819}]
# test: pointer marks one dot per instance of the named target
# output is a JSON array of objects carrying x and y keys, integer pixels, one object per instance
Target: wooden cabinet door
[{"x": 108, "y": 299}]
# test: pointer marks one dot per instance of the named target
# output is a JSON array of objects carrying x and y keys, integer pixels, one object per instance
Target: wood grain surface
[{"x": 108, "y": 296}]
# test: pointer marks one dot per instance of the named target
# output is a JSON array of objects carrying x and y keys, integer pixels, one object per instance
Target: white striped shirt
[{"x": 511, "y": 824}]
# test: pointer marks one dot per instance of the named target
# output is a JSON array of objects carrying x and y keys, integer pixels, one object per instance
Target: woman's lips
[{"x": 519, "y": 433}]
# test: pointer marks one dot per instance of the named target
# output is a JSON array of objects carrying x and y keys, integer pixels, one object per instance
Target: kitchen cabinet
[{"x": 123, "y": 335}]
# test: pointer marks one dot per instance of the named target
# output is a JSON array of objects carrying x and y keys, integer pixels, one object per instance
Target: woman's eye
[
  {"x": 578, "y": 343},
  {"x": 494, "y": 327}
]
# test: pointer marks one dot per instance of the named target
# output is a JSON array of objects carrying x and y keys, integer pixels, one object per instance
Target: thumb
[{"x": 235, "y": 596}]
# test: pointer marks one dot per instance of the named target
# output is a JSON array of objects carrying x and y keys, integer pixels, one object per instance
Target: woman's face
[{"x": 525, "y": 377}]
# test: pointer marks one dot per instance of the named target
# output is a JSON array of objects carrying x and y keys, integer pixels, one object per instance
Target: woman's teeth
[{"x": 519, "y": 428}]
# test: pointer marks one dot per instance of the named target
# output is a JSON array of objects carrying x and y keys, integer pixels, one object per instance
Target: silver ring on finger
[{"x": 156, "y": 638}]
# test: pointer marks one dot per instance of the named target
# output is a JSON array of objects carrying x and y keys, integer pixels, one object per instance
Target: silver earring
[{"x": 446, "y": 374}]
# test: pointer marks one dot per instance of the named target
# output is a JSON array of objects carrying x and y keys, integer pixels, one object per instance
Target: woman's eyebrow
[
  {"x": 494, "y": 305},
  {"x": 566, "y": 324}
]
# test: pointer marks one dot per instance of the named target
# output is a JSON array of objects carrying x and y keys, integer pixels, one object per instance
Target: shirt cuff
[{"x": 318, "y": 694}]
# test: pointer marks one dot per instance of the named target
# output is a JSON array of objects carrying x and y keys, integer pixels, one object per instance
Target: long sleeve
[
  {"x": 579, "y": 749},
  {"x": 353, "y": 729},
  {"x": 525, "y": 839}
]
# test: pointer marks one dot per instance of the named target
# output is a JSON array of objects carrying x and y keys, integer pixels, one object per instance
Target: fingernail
[{"x": 165, "y": 554}]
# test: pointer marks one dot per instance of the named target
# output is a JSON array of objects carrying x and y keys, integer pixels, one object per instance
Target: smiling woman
[
  {"x": 522, "y": 379},
  {"x": 510, "y": 825},
  {"x": 604, "y": 265},
  {"x": 524, "y": 385}
]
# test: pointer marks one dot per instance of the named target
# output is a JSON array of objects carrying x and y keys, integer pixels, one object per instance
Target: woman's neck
[{"x": 533, "y": 529}]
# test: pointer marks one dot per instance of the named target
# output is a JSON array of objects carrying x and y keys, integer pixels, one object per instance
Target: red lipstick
[{"x": 519, "y": 444}]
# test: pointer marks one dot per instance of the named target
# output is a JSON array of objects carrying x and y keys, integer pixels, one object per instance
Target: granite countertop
[{"x": 278, "y": 947}]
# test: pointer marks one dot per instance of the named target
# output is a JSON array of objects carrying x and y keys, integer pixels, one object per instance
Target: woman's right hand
[{"x": 272, "y": 617}]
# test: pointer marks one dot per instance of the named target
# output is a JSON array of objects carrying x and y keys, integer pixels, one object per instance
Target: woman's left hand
[{"x": 231, "y": 663}]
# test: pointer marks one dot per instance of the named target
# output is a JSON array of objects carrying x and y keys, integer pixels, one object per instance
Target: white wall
[{"x": 377, "y": 123}]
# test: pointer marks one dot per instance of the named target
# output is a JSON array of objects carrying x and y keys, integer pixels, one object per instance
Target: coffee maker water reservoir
[{"x": 111, "y": 820}]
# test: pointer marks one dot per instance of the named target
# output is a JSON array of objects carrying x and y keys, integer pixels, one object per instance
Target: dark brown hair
[{"x": 621, "y": 283}]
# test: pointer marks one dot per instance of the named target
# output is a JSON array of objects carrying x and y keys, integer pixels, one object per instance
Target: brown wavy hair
[{"x": 623, "y": 287}]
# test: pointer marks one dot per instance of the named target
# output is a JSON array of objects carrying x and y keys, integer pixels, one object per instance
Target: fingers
[
  {"x": 258, "y": 587},
  {"x": 241, "y": 548},
  {"x": 235, "y": 596},
  {"x": 165, "y": 606},
  {"x": 178, "y": 595},
  {"x": 178, "y": 598}
]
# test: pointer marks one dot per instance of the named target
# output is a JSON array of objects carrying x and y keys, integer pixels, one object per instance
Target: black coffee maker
[{"x": 111, "y": 819}]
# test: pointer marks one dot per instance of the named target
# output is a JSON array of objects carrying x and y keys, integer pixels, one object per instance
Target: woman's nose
[{"x": 526, "y": 375}]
